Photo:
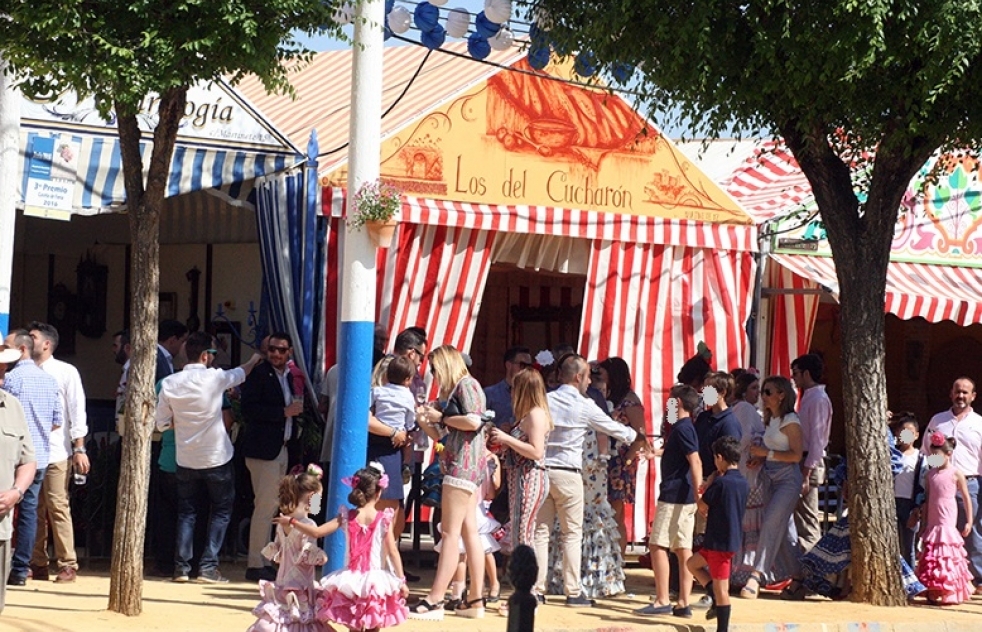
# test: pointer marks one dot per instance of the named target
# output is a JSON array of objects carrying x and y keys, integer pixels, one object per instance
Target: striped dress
[{"x": 528, "y": 486}]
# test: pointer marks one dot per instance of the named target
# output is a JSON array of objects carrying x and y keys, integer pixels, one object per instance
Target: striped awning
[
  {"x": 547, "y": 220},
  {"x": 932, "y": 292},
  {"x": 770, "y": 183},
  {"x": 99, "y": 186}
]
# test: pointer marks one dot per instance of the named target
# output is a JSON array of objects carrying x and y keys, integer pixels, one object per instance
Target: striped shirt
[{"x": 40, "y": 396}]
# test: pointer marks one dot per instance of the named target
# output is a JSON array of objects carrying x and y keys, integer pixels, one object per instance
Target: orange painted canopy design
[{"x": 513, "y": 136}]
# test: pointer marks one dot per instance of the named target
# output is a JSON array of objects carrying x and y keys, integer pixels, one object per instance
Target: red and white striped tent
[
  {"x": 934, "y": 272},
  {"x": 661, "y": 275}
]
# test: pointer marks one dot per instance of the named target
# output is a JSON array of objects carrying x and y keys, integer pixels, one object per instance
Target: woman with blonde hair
[
  {"x": 525, "y": 446},
  {"x": 781, "y": 453},
  {"x": 463, "y": 462}
]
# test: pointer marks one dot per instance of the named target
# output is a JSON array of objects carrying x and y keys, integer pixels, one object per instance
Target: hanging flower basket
[{"x": 375, "y": 207}]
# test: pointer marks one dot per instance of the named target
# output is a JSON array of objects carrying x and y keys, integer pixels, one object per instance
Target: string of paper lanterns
[{"x": 490, "y": 32}]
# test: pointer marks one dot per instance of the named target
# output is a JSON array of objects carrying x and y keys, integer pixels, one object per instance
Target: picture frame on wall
[
  {"x": 229, "y": 348},
  {"x": 167, "y": 302}
]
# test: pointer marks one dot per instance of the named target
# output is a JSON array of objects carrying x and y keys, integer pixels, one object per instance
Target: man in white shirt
[
  {"x": 965, "y": 425},
  {"x": 67, "y": 439},
  {"x": 815, "y": 412},
  {"x": 573, "y": 414},
  {"x": 191, "y": 402}
]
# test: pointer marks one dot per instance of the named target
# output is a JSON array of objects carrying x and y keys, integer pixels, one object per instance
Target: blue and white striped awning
[{"x": 99, "y": 177}]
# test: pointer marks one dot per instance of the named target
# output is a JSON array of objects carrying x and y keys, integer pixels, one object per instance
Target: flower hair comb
[{"x": 937, "y": 439}]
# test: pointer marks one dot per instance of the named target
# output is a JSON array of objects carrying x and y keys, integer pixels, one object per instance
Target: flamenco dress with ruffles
[
  {"x": 943, "y": 565},
  {"x": 365, "y": 595},
  {"x": 290, "y": 603}
]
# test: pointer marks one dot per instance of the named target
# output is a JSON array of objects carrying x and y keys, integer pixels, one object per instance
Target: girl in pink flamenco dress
[
  {"x": 366, "y": 596},
  {"x": 290, "y": 603},
  {"x": 943, "y": 565}
]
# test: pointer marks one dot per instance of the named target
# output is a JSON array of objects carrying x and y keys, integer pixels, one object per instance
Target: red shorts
[{"x": 719, "y": 563}]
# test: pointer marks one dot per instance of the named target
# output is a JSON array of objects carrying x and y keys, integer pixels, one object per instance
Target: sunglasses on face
[
  {"x": 769, "y": 392},
  {"x": 272, "y": 349},
  {"x": 523, "y": 365}
]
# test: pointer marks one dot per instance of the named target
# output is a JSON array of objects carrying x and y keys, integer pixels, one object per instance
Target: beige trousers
[
  {"x": 5, "y": 552},
  {"x": 565, "y": 499},
  {"x": 266, "y": 477},
  {"x": 53, "y": 508}
]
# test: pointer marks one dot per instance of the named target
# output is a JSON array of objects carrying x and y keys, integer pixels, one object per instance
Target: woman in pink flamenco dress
[
  {"x": 290, "y": 603},
  {"x": 943, "y": 565}
]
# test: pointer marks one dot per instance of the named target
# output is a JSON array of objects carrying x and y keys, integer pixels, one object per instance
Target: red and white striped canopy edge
[
  {"x": 651, "y": 304},
  {"x": 792, "y": 318},
  {"x": 929, "y": 291},
  {"x": 549, "y": 220},
  {"x": 769, "y": 183}
]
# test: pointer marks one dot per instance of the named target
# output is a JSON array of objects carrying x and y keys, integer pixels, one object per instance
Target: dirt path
[{"x": 80, "y": 607}]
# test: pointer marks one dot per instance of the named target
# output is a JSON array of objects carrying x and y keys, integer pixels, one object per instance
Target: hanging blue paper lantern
[
  {"x": 433, "y": 38},
  {"x": 479, "y": 47},
  {"x": 585, "y": 64},
  {"x": 485, "y": 27},
  {"x": 389, "y": 5},
  {"x": 426, "y": 17},
  {"x": 539, "y": 57},
  {"x": 622, "y": 72}
]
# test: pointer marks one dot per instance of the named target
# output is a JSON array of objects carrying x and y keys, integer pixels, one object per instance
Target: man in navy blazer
[{"x": 268, "y": 408}]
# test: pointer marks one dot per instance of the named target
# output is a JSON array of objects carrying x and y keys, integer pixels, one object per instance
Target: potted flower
[{"x": 375, "y": 206}]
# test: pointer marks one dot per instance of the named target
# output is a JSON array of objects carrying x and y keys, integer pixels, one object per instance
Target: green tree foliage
[
  {"x": 841, "y": 81},
  {"x": 120, "y": 52}
]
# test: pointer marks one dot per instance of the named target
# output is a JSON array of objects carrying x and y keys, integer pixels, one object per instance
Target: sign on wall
[{"x": 51, "y": 177}]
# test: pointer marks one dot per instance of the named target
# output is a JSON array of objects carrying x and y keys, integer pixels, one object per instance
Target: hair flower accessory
[
  {"x": 350, "y": 481},
  {"x": 544, "y": 358},
  {"x": 383, "y": 480},
  {"x": 315, "y": 470},
  {"x": 937, "y": 439}
]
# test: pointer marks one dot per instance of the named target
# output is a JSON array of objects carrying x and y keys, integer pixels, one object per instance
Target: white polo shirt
[{"x": 191, "y": 402}]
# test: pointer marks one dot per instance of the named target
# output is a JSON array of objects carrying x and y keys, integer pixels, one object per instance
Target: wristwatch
[
  {"x": 20, "y": 494},
  {"x": 770, "y": 455},
  {"x": 394, "y": 433},
  {"x": 78, "y": 450}
]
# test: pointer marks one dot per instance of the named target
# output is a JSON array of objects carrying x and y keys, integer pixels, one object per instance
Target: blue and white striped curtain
[{"x": 292, "y": 237}]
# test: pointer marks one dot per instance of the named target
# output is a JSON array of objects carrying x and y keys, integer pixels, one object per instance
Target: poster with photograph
[{"x": 51, "y": 177}]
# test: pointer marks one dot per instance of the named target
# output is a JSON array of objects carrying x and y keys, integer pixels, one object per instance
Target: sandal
[
  {"x": 494, "y": 596},
  {"x": 469, "y": 610},
  {"x": 750, "y": 593},
  {"x": 795, "y": 591},
  {"x": 426, "y": 611}
]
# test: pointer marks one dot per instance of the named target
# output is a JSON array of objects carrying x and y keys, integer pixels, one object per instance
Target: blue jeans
[
  {"x": 973, "y": 543},
  {"x": 907, "y": 535},
  {"x": 784, "y": 490},
  {"x": 212, "y": 490},
  {"x": 26, "y": 528}
]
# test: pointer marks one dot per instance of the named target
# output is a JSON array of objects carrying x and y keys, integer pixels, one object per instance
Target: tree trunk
[
  {"x": 860, "y": 240},
  {"x": 143, "y": 204}
]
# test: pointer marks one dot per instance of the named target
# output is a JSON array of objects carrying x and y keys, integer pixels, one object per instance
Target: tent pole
[
  {"x": 757, "y": 318},
  {"x": 357, "y": 328},
  {"x": 9, "y": 157}
]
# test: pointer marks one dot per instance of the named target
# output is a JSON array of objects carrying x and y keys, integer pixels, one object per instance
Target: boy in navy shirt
[
  {"x": 723, "y": 504},
  {"x": 681, "y": 476}
]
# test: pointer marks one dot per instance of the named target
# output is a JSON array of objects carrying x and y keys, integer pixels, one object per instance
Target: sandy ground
[{"x": 80, "y": 607}]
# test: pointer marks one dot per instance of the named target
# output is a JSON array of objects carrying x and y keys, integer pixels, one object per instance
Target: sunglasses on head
[
  {"x": 212, "y": 351},
  {"x": 272, "y": 349}
]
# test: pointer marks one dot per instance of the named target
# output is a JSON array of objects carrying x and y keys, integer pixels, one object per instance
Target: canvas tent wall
[{"x": 508, "y": 164}]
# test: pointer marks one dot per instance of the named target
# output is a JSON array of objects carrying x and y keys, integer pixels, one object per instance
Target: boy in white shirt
[{"x": 907, "y": 483}]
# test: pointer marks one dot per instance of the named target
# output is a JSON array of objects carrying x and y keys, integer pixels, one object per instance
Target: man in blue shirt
[
  {"x": 499, "y": 395},
  {"x": 40, "y": 396}
]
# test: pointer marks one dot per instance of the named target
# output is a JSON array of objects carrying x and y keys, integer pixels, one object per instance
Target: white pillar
[
  {"x": 358, "y": 269},
  {"x": 9, "y": 159}
]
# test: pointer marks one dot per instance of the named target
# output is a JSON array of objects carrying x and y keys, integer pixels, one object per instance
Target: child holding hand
[{"x": 366, "y": 596}]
